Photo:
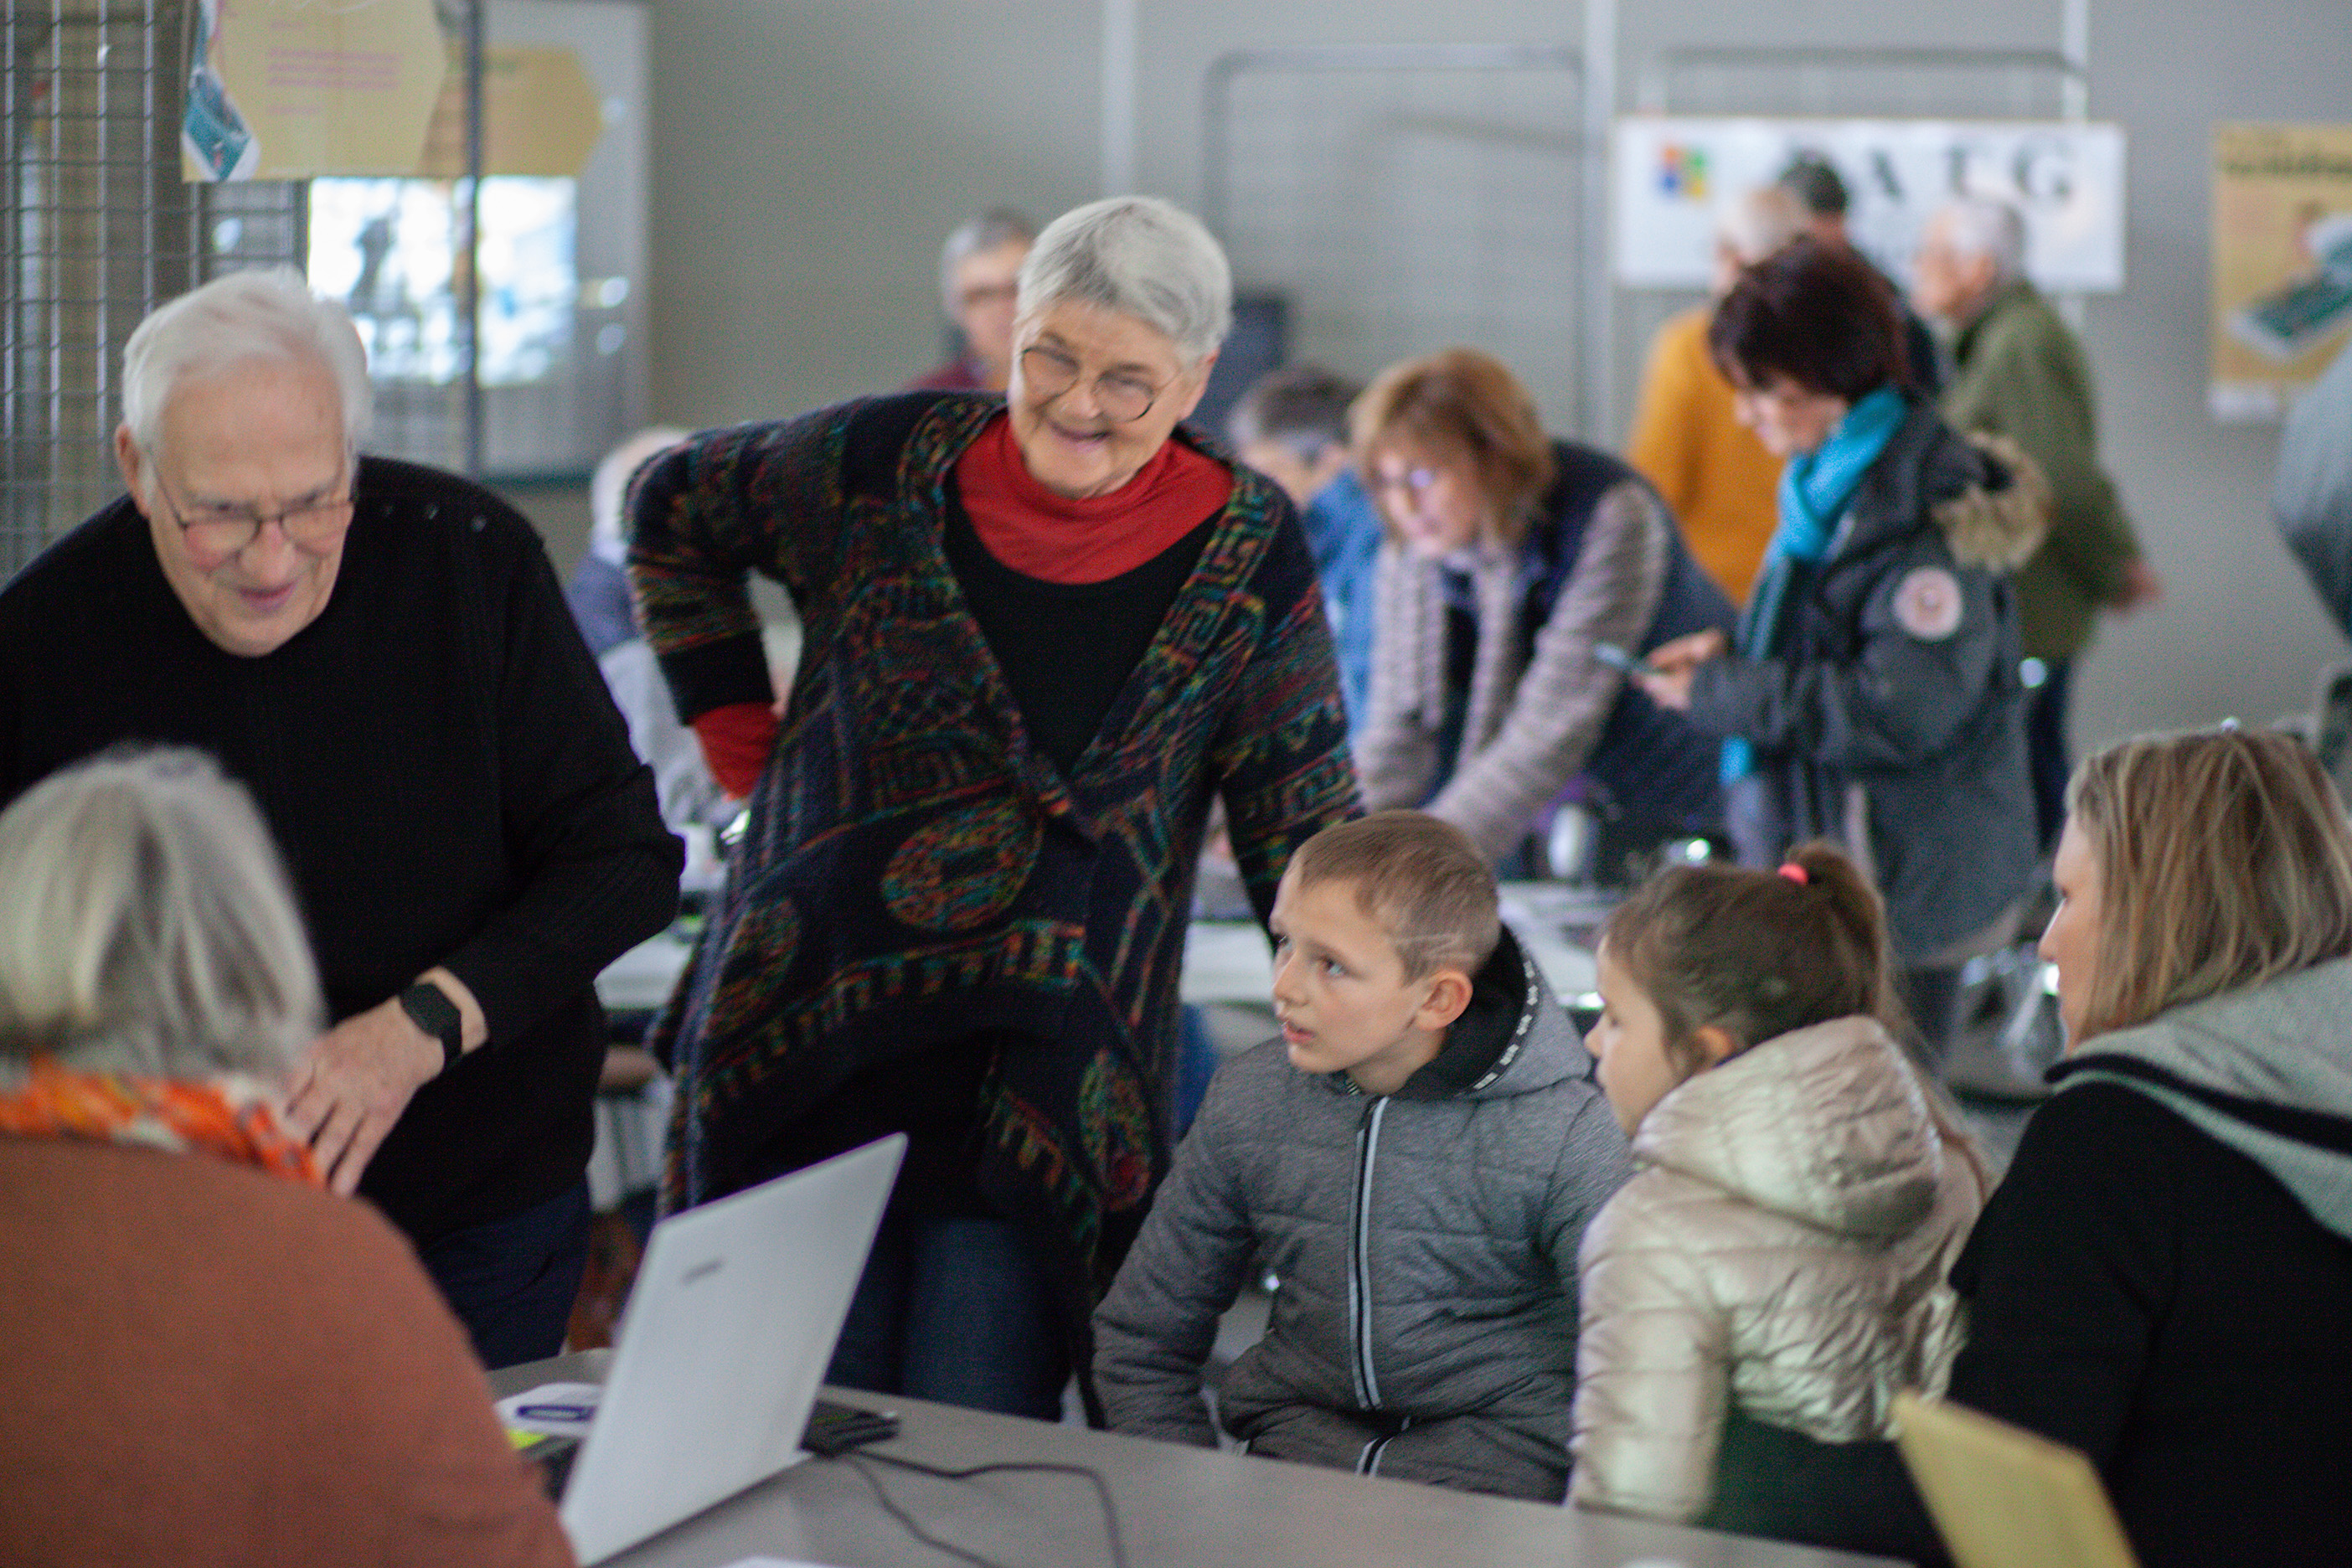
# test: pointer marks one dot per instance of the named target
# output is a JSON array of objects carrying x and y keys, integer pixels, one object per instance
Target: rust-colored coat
[{"x": 208, "y": 1365}]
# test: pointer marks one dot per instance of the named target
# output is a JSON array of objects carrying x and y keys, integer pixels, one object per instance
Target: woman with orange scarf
[{"x": 214, "y": 1359}]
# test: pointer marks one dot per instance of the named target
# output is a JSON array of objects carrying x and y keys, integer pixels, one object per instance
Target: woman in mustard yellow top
[{"x": 1711, "y": 469}]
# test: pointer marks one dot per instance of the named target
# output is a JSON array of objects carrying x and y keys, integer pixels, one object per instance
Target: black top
[
  {"x": 2155, "y": 1298},
  {"x": 2142, "y": 1292},
  {"x": 1067, "y": 648},
  {"x": 444, "y": 772}
]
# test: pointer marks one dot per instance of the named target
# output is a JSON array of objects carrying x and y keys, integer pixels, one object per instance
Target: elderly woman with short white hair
[
  {"x": 1042, "y": 633},
  {"x": 214, "y": 1359}
]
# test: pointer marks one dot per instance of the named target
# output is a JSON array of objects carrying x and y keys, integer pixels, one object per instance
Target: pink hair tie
[{"x": 1796, "y": 873}]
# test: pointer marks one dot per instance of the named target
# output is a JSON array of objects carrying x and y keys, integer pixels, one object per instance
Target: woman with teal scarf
[{"x": 1873, "y": 695}]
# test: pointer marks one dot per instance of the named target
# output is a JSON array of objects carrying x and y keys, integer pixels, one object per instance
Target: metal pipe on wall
[
  {"x": 1118, "y": 67},
  {"x": 1598, "y": 423}
]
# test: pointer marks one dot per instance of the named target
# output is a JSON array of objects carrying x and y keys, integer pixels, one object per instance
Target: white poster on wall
[{"x": 1672, "y": 175}]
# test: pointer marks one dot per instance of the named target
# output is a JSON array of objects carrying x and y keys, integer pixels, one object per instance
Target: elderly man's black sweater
[{"x": 444, "y": 772}]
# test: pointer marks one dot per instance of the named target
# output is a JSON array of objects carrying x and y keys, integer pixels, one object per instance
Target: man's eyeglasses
[
  {"x": 979, "y": 294},
  {"x": 225, "y": 527},
  {"x": 1050, "y": 373}
]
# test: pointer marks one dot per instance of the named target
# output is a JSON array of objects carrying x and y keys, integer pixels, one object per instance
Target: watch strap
[{"x": 429, "y": 1008}]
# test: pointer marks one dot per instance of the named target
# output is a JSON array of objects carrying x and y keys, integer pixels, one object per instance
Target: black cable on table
[{"x": 906, "y": 1521}]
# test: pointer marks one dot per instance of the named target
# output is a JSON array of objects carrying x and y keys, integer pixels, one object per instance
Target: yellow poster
[
  {"x": 540, "y": 115},
  {"x": 282, "y": 89},
  {"x": 2282, "y": 262}
]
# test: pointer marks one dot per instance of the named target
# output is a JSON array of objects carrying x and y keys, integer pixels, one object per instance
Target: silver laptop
[{"x": 729, "y": 1327}]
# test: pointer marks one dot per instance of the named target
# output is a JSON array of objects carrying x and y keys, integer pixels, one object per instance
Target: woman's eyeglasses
[
  {"x": 1050, "y": 373},
  {"x": 1415, "y": 481}
]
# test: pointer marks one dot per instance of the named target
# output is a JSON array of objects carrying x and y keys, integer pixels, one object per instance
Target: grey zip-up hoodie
[
  {"x": 2266, "y": 1071},
  {"x": 1426, "y": 1245}
]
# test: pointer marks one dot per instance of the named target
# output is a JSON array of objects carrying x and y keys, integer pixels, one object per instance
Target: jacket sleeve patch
[{"x": 1927, "y": 603}]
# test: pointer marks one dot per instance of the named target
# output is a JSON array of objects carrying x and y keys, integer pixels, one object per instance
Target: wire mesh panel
[
  {"x": 1407, "y": 199},
  {"x": 96, "y": 228}
]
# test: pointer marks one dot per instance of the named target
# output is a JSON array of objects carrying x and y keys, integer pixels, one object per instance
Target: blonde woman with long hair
[{"x": 2163, "y": 1278}]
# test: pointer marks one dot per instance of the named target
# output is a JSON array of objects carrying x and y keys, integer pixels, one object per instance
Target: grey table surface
[{"x": 1178, "y": 1508}]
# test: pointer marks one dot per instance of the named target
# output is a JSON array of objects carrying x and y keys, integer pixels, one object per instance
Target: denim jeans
[
  {"x": 512, "y": 1280},
  {"x": 959, "y": 1310}
]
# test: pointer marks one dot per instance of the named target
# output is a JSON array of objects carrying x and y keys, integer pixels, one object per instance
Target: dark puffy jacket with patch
[
  {"x": 1425, "y": 1242},
  {"x": 1893, "y": 722}
]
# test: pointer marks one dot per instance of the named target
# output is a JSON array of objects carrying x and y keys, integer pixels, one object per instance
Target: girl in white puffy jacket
[{"x": 1777, "y": 1264}]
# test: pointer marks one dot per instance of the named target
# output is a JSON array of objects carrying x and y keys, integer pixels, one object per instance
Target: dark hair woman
[{"x": 1872, "y": 695}]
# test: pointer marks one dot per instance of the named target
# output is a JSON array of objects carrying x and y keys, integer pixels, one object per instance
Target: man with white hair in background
[
  {"x": 2020, "y": 373},
  {"x": 599, "y": 595},
  {"x": 380, "y": 654},
  {"x": 980, "y": 266}
]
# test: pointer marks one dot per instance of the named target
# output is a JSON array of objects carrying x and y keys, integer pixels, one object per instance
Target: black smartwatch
[{"x": 429, "y": 1008}]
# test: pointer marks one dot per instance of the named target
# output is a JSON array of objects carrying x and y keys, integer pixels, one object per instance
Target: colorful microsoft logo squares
[{"x": 1681, "y": 172}]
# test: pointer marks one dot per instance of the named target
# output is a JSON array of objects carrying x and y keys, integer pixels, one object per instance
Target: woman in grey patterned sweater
[{"x": 1510, "y": 558}]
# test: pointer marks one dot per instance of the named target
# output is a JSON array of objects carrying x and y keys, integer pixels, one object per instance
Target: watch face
[{"x": 430, "y": 1009}]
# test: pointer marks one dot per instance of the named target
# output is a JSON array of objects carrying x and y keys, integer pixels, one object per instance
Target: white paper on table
[{"x": 557, "y": 1409}]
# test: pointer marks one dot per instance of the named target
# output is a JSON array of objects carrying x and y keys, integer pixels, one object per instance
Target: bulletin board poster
[
  {"x": 542, "y": 115},
  {"x": 1672, "y": 176},
  {"x": 2281, "y": 263},
  {"x": 283, "y": 89}
]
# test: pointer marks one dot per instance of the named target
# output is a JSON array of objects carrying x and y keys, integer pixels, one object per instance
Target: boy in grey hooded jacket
[{"x": 1415, "y": 1160}]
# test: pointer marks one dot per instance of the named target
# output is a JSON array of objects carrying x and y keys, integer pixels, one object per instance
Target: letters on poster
[{"x": 1673, "y": 175}]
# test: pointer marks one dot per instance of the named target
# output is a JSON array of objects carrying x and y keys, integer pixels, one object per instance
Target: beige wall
[{"x": 809, "y": 154}]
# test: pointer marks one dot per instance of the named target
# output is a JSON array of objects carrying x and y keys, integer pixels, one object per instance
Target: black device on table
[{"x": 833, "y": 1430}]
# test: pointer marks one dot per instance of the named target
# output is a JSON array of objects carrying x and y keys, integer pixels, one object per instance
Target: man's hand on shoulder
[{"x": 352, "y": 1084}]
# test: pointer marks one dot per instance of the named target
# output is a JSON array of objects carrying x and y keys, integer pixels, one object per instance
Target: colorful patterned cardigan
[{"x": 915, "y": 871}]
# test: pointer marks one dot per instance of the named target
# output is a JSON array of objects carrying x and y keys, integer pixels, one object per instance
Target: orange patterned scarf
[{"x": 232, "y": 1118}]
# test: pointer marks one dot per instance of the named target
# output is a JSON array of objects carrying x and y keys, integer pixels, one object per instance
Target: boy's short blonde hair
[{"x": 1419, "y": 878}]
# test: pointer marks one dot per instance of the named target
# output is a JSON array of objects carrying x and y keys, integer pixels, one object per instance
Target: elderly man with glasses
[
  {"x": 380, "y": 653},
  {"x": 979, "y": 267}
]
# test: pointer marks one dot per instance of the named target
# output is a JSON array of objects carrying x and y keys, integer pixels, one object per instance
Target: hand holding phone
[{"x": 1623, "y": 663}]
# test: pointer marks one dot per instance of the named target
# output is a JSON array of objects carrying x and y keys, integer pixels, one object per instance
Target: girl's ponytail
[
  {"x": 1863, "y": 915},
  {"x": 1757, "y": 953}
]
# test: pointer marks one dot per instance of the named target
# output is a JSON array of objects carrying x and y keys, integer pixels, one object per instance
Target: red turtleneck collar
[{"x": 1041, "y": 535}]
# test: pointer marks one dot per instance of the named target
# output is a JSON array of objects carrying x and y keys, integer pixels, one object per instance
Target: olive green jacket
[{"x": 2021, "y": 375}]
